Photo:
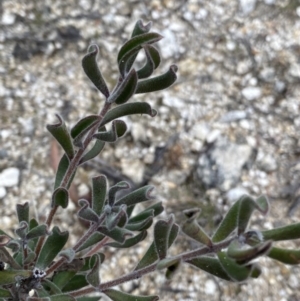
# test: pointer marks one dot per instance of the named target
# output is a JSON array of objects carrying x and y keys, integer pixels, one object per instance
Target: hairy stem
[
  {"x": 146, "y": 270},
  {"x": 71, "y": 170}
]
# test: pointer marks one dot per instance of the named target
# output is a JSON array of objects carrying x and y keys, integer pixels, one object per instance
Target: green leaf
[
  {"x": 137, "y": 196},
  {"x": 228, "y": 224},
  {"x": 92, "y": 240},
  {"x": 125, "y": 90},
  {"x": 38, "y": 231},
  {"x": 22, "y": 230},
  {"x": 246, "y": 208},
  {"x": 80, "y": 129},
  {"x": 60, "y": 279},
  {"x": 130, "y": 242},
  {"x": 99, "y": 189},
  {"x": 93, "y": 152},
  {"x": 68, "y": 254},
  {"x": 159, "y": 82},
  {"x": 51, "y": 287},
  {"x": 77, "y": 282},
  {"x": 153, "y": 61},
  {"x": 128, "y": 109},
  {"x": 120, "y": 296},
  {"x": 114, "y": 189},
  {"x": 242, "y": 254},
  {"x": 285, "y": 255},
  {"x": 150, "y": 257},
  {"x": 86, "y": 212},
  {"x": 89, "y": 262},
  {"x": 8, "y": 277},
  {"x": 193, "y": 229},
  {"x": 7, "y": 258},
  {"x": 60, "y": 132},
  {"x": 88, "y": 298},
  {"x": 167, "y": 262},
  {"x": 153, "y": 210},
  {"x": 140, "y": 28},
  {"x": 172, "y": 269},
  {"x": 118, "y": 234},
  {"x": 52, "y": 246},
  {"x": 93, "y": 277},
  {"x": 283, "y": 233},
  {"x": 61, "y": 170},
  {"x": 5, "y": 293},
  {"x": 91, "y": 69},
  {"x": 118, "y": 130},
  {"x": 62, "y": 297},
  {"x": 4, "y": 240},
  {"x": 234, "y": 270},
  {"x": 210, "y": 265},
  {"x": 132, "y": 47},
  {"x": 116, "y": 218},
  {"x": 139, "y": 226},
  {"x": 60, "y": 197},
  {"x": 161, "y": 236},
  {"x": 23, "y": 212}
]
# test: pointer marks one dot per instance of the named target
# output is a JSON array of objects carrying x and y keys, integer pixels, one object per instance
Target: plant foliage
[{"x": 35, "y": 264}]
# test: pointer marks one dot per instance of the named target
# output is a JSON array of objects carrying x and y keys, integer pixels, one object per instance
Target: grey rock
[
  {"x": 247, "y": 6},
  {"x": 233, "y": 116},
  {"x": 222, "y": 164}
]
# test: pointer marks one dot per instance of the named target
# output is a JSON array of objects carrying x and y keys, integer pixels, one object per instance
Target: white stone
[
  {"x": 235, "y": 193},
  {"x": 251, "y": 93},
  {"x": 247, "y": 6},
  {"x": 9, "y": 177},
  {"x": 210, "y": 287},
  {"x": 8, "y": 19},
  {"x": 2, "y": 192}
]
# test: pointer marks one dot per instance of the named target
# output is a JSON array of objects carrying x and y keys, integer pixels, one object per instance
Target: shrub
[{"x": 36, "y": 265}]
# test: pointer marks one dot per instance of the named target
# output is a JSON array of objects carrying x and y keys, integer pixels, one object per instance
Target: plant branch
[
  {"x": 146, "y": 270},
  {"x": 71, "y": 170}
]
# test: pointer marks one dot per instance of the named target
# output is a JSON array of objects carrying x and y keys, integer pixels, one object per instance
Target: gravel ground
[{"x": 230, "y": 124}]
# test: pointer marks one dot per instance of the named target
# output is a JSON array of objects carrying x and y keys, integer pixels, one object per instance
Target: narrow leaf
[
  {"x": 60, "y": 197},
  {"x": 139, "y": 226},
  {"x": 118, "y": 234},
  {"x": 242, "y": 254},
  {"x": 22, "y": 230},
  {"x": 99, "y": 189},
  {"x": 119, "y": 128},
  {"x": 228, "y": 224},
  {"x": 247, "y": 206},
  {"x": 93, "y": 152},
  {"x": 92, "y": 240},
  {"x": 80, "y": 129},
  {"x": 68, "y": 254},
  {"x": 161, "y": 236},
  {"x": 62, "y": 278},
  {"x": 128, "y": 109},
  {"x": 234, "y": 270},
  {"x": 159, "y": 82},
  {"x": 126, "y": 90},
  {"x": 60, "y": 132},
  {"x": 285, "y": 255},
  {"x": 93, "y": 277},
  {"x": 132, "y": 46},
  {"x": 152, "y": 62},
  {"x": 78, "y": 282},
  {"x": 153, "y": 210},
  {"x": 167, "y": 262},
  {"x": 114, "y": 189},
  {"x": 114, "y": 218},
  {"x": 137, "y": 196},
  {"x": 150, "y": 257},
  {"x": 23, "y": 212},
  {"x": 210, "y": 265},
  {"x": 86, "y": 212},
  {"x": 283, "y": 233},
  {"x": 192, "y": 229},
  {"x": 7, "y": 258},
  {"x": 130, "y": 242},
  {"x": 8, "y": 277},
  {"x": 91, "y": 69},
  {"x": 52, "y": 246},
  {"x": 38, "y": 231},
  {"x": 120, "y": 296},
  {"x": 61, "y": 170}
]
